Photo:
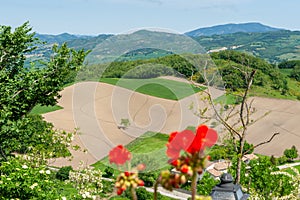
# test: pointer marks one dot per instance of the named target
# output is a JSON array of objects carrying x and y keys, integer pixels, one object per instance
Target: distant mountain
[
  {"x": 64, "y": 37},
  {"x": 269, "y": 43},
  {"x": 231, "y": 28},
  {"x": 142, "y": 44},
  {"x": 87, "y": 43},
  {"x": 274, "y": 46},
  {"x": 77, "y": 42}
]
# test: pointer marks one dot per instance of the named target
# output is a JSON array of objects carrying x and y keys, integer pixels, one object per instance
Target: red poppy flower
[
  {"x": 179, "y": 141},
  {"x": 119, "y": 155},
  {"x": 205, "y": 137}
]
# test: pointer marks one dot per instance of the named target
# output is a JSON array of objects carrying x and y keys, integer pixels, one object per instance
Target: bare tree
[{"x": 237, "y": 128}]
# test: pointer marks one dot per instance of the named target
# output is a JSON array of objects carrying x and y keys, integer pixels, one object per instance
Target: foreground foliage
[
  {"x": 23, "y": 88},
  {"x": 87, "y": 181},
  {"x": 21, "y": 179},
  {"x": 186, "y": 154},
  {"x": 262, "y": 178}
]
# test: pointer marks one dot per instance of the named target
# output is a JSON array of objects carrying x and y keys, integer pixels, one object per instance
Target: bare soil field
[
  {"x": 97, "y": 110},
  {"x": 282, "y": 116}
]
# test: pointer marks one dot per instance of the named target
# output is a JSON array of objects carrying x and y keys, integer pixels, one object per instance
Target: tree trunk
[{"x": 240, "y": 160}]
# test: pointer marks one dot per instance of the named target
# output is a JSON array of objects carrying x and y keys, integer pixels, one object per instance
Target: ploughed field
[{"x": 97, "y": 110}]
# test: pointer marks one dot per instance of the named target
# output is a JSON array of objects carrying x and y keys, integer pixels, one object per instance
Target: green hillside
[
  {"x": 273, "y": 46},
  {"x": 252, "y": 27},
  {"x": 269, "y": 81}
]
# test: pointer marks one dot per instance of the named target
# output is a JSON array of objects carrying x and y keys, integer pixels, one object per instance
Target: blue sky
[{"x": 93, "y": 17}]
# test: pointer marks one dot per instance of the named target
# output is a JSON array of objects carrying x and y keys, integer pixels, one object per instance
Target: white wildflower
[
  {"x": 88, "y": 195},
  {"x": 24, "y": 167},
  {"x": 33, "y": 186}
]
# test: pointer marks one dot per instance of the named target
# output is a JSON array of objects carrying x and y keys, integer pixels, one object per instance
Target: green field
[
  {"x": 158, "y": 87},
  {"x": 38, "y": 109},
  {"x": 149, "y": 148},
  {"x": 228, "y": 99},
  {"x": 286, "y": 72}
]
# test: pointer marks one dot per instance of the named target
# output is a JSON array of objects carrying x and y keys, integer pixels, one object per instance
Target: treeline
[
  {"x": 294, "y": 65},
  {"x": 232, "y": 64},
  {"x": 273, "y": 46},
  {"x": 171, "y": 65}
]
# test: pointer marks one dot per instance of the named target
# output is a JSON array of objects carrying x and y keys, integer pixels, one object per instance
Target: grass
[
  {"x": 286, "y": 72},
  {"x": 228, "y": 99},
  {"x": 158, "y": 87},
  {"x": 267, "y": 91},
  {"x": 38, "y": 109},
  {"x": 68, "y": 190},
  {"x": 150, "y": 146},
  {"x": 148, "y": 142}
]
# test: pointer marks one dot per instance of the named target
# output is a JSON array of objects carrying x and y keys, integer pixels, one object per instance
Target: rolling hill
[
  {"x": 231, "y": 28},
  {"x": 272, "y": 44}
]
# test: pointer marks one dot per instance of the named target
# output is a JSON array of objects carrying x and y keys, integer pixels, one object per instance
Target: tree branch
[
  {"x": 245, "y": 98},
  {"x": 227, "y": 126},
  {"x": 262, "y": 143}
]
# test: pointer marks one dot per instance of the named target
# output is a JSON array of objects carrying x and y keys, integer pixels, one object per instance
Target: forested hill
[
  {"x": 44, "y": 51},
  {"x": 86, "y": 42},
  {"x": 231, "y": 28},
  {"x": 64, "y": 37},
  {"x": 230, "y": 65},
  {"x": 273, "y": 46}
]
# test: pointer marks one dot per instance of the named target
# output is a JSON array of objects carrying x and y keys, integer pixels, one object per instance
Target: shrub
[
  {"x": 149, "y": 178},
  {"x": 291, "y": 153},
  {"x": 142, "y": 193},
  {"x": 63, "y": 173},
  {"x": 282, "y": 160},
  {"x": 108, "y": 172}
]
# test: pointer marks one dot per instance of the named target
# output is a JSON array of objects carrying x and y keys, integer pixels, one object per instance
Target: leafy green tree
[
  {"x": 291, "y": 153},
  {"x": 233, "y": 65},
  {"x": 206, "y": 184},
  {"x": 23, "y": 88},
  {"x": 228, "y": 150},
  {"x": 290, "y": 64},
  {"x": 296, "y": 73},
  {"x": 260, "y": 177}
]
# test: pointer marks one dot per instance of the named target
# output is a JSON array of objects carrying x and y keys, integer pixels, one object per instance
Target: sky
[{"x": 94, "y": 17}]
